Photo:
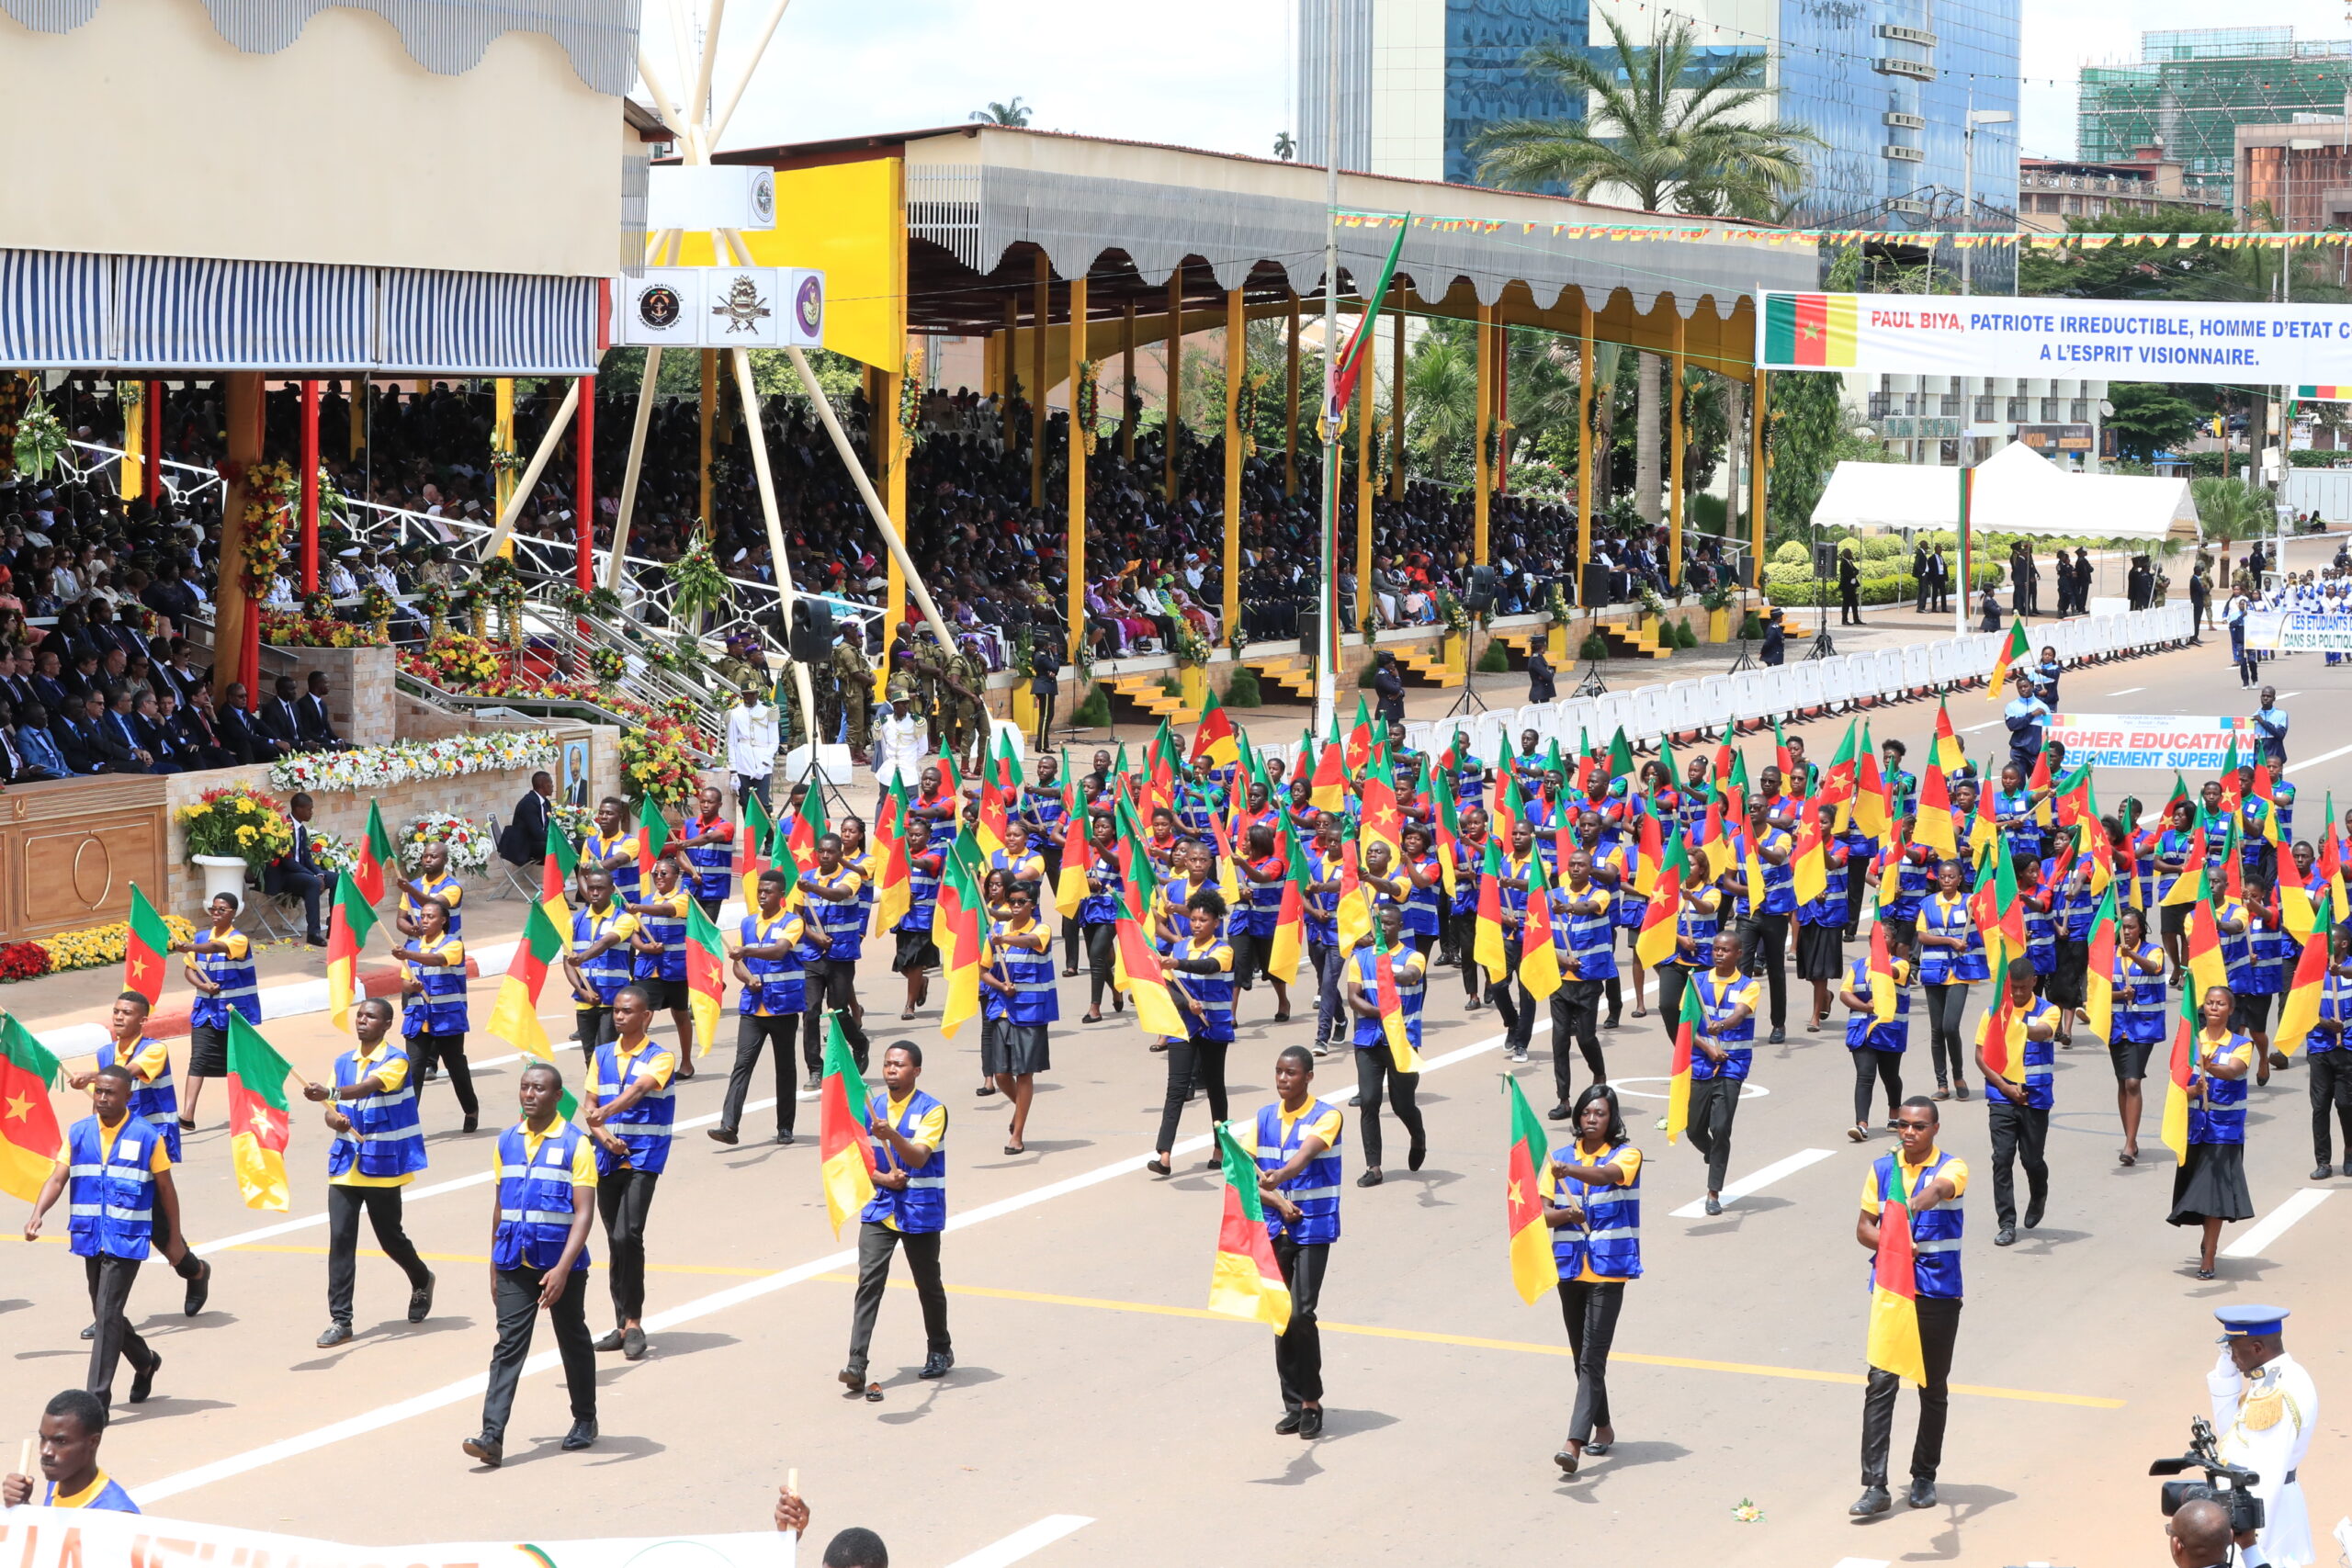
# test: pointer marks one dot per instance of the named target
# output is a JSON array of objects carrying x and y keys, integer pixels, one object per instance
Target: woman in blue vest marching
[
  {"x": 660, "y": 948},
  {"x": 2209, "y": 1190},
  {"x": 630, "y": 1115},
  {"x": 1378, "y": 1072},
  {"x": 1022, "y": 997},
  {"x": 1200, "y": 982},
  {"x": 909, "y": 1133},
  {"x": 1931, "y": 1184},
  {"x": 1877, "y": 1043},
  {"x": 220, "y": 966},
  {"x": 1299, "y": 1177},
  {"x": 1951, "y": 959},
  {"x": 433, "y": 1006},
  {"x": 1720, "y": 1058},
  {"x": 1595, "y": 1212},
  {"x": 378, "y": 1149},
  {"x": 2140, "y": 1012}
]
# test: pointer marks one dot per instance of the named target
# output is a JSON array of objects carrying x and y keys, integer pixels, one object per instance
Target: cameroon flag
[
  {"x": 29, "y": 1138},
  {"x": 2182, "y": 1072},
  {"x": 258, "y": 1119},
  {"x": 1355, "y": 922},
  {"x": 845, "y": 1154},
  {"x": 1329, "y": 792},
  {"x": 751, "y": 843},
  {"x": 1893, "y": 1341},
  {"x": 1076, "y": 857},
  {"x": 705, "y": 975},
  {"x": 2202, "y": 946},
  {"x": 1490, "y": 947},
  {"x": 1809, "y": 865},
  {"x": 556, "y": 873},
  {"x": 894, "y": 892},
  {"x": 1213, "y": 740},
  {"x": 2099, "y": 975},
  {"x": 1881, "y": 971},
  {"x": 652, "y": 837},
  {"x": 348, "y": 926},
  {"x": 1655, "y": 944},
  {"x": 2000, "y": 1033},
  {"x": 2299, "y": 1014},
  {"x": 1932, "y": 825},
  {"x": 516, "y": 1017},
  {"x": 2295, "y": 910},
  {"x": 1946, "y": 752},
  {"x": 1691, "y": 1025},
  {"x": 2190, "y": 883},
  {"x": 1527, "y": 1169},
  {"x": 1810, "y": 331},
  {"x": 1539, "y": 950},
  {"x": 145, "y": 949},
  {"x": 956, "y": 924},
  {"x": 2016, "y": 648},
  {"x": 376, "y": 856},
  {"x": 1393, "y": 1023},
  {"x": 1289, "y": 945},
  {"x": 1246, "y": 1281}
]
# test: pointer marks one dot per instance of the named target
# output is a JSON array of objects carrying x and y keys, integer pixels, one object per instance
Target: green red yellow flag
[
  {"x": 1538, "y": 950},
  {"x": 1527, "y": 1168},
  {"x": 259, "y": 1120},
  {"x": 845, "y": 1154},
  {"x": 2298, "y": 1009},
  {"x": 1894, "y": 1337},
  {"x": 376, "y": 856},
  {"x": 751, "y": 840},
  {"x": 1688, "y": 1026},
  {"x": 2182, "y": 1072},
  {"x": 705, "y": 975},
  {"x": 348, "y": 928},
  {"x": 1946, "y": 752},
  {"x": 1244, "y": 1282},
  {"x": 30, "y": 1138},
  {"x": 2018, "y": 646},
  {"x": 956, "y": 925},
  {"x": 515, "y": 1018},
  {"x": 145, "y": 949},
  {"x": 556, "y": 873},
  {"x": 1489, "y": 946},
  {"x": 1213, "y": 742},
  {"x": 652, "y": 837},
  {"x": 2099, "y": 973}
]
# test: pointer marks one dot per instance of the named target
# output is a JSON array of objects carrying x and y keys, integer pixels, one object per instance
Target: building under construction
[{"x": 2192, "y": 89}]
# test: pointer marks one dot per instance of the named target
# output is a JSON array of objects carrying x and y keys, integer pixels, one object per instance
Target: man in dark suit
[
  {"x": 70, "y": 730},
  {"x": 317, "y": 730},
  {"x": 119, "y": 727},
  {"x": 12, "y": 761},
  {"x": 523, "y": 840},
  {"x": 192, "y": 732},
  {"x": 240, "y": 734},
  {"x": 47, "y": 689},
  {"x": 295, "y": 872},
  {"x": 281, "y": 720},
  {"x": 155, "y": 736},
  {"x": 88, "y": 741},
  {"x": 17, "y": 683},
  {"x": 36, "y": 746}
]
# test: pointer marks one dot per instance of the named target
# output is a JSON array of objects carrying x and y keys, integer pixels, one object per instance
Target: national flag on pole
[
  {"x": 1809, "y": 864},
  {"x": 1933, "y": 826},
  {"x": 1393, "y": 1025},
  {"x": 2018, "y": 646},
  {"x": 1527, "y": 1170},
  {"x": 2202, "y": 944},
  {"x": 2295, "y": 910},
  {"x": 2099, "y": 973},
  {"x": 1894, "y": 1340},
  {"x": 1946, "y": 752},
  {"x": 516, "y": 1017},
  {"x": 1688, "y": 1026},
  {"x": 2299, "y": 1011},
  {"x": 259, "y": 1120},
  {"x": 1881, "y": 971},
  {"x": 1078, "y": 857},
  {"x": 1244, "y": 1282},
  {"x": 1539, "y": 952},
  {"x": 1655, "y": 943},
  {"x": 145, "y": 949},
  {"x": 1329, "y": 792},
  {"x": 1488, "y": 946},
  {"x": 956, "y": 925},
  {"x": 894, "y": 891},
  {"x": 705, "y": 975},
  {"x": 1999, "y": 1033},
  {"x": 376, "y": 856},
  {"x": 845, "y": 1154},
  {"x": 1289, "y": 948},
  {"x": 751, "y": 842},
  {"x": 348, "y": 928},
  {"x": 29, "y": 1137},
  {"x": 2180, "y": 1074},
  {"x": 808, "y": 823},
  {"x": 1354, "y": 922},
  {"x": 652, "y": 837},
  {"x": 1350, "y": 363},
  {"x": 556, "y": 873},
  {"x": 1213, "y": 742}
]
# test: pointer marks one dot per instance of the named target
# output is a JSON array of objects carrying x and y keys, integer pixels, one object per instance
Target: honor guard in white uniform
[{"x": 2266, "y": 1408}]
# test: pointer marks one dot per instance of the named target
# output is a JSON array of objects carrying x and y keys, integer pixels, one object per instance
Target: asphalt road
[{"x": 1092, "y": 1386}]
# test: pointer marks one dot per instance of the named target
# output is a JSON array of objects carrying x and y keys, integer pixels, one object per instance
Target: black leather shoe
[
  {"x": 1310, "y": 1423},
  {"x": 1923, "y": 1491},
  {"x": 853, "y": 1380},
  {"x": 1780, "y": 1037},
  {"x": 2006, "y": 1237},
  {"x": 612, "y": 1341},
  {"x": 2033, "y": 1212},
  {"x": 935, "y": 1365},
  {"x": 144, "y": 1382},
  {"x": 581, "y": 1435},
  {"x": 89, "y": 1331},
  {"x": 1714, "y": 1205},
  {"x": 335, "y": 1334},
  {"x": 1415, "y": 1155},
  {"x": 420, "y": 1300},
  {"x": 1873, "y": 1500},
  {"x": 633, "y": 1345},
  {"x": 488, "y": 1451},
  {"x": 721, "y": 1136},
  {"x": 783, "y": 1140},
  {"x": 199, "y": 1290},
  {"x": 1288, "y": 1425},
  {"x": 1559, "y": 1113},
  {"x": 2323, "y": 1172},
  {"x": 1369, "y": 1178},
  {"x": 473, "y": 1123}
]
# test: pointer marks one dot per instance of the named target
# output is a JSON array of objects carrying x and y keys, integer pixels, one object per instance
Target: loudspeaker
[
  {"x": 1594, "y": 589},
  {"x": 1310, "y": 628},
  {"x": 1825, "y": 560},
  {"x": 1743, "y": 571},
  {"x": 812, "y": 630},
  {"x": 1483, "y": 581}
]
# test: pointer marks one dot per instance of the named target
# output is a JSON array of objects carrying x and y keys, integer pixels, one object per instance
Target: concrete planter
[
  {"x": 1719, "y": 625},
  {"x": 1195, "y": 680},
  {"x": 221, "y": 874}
]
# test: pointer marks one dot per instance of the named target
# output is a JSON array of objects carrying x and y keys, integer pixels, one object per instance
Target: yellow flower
[
  {"x": 245, "y": 835},
  {"x": 244, "y": 803}
]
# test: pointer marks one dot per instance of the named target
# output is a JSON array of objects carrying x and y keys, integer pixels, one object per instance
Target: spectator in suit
[
  {"x": 76, "y": 741},
  {"x": 192, "y": 733},
  {"x": 47, "y": 688},
  {"x": 17, "y": 683},
  {"x": 240, "y": 734},
  {"x": 180, "y": 674},
  {"x": 295, "y": 872},
  {"x": 281, "y": 720},
  {"x": 119, "y": 722},
  {"x": 102, "y": 742},
  {"x": 155, "y": 735},
  {"x": 37, "y": 745},
  {"x": 523, "y": 840},
  {"x": 317, "y": 728},
  {"x": 12, "y": 761}
]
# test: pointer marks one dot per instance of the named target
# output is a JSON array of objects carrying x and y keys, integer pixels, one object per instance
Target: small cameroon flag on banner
[
  {"x": 347, "y": 931},
  {"x": 145, "y": 949},
  {"x": 258, "y": 1118},
  {"x": 1527, "y": 1169},
  {"x": 844, "y": 1155},
  {"x": 1809, "y": 331},
  {"x": 705, "y": 975},
  {"x": 1246, "y": 1281},
  {"x": 29, "y": 1138}
]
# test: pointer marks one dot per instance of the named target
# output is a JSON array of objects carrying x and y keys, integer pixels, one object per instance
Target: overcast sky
[{"x": 1215, "y": 74}]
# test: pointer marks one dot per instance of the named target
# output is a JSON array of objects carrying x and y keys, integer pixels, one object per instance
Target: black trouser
[
  {"x": 875, "y": 1242},
  {"x": 383, "y": 1205},
  {"x": 623, "y": 1198},
  {"x": 1046, "y": 701},
  {"x": 1512, "y": 1000},
  {"x": 1938, "y": 1327},
  {"x": 1590, "y": 1309},
  {"x": 1375, "y": 1073},
  {"x": 516, "y": 1295},
  {"x": 1715, "y": 1102},
  {"x": 1886, "y": 1067},
  {"x": 1187, "y": 1059},
  {"x": 831, "y": 984},
  {"x": 2019, "y": 1133},
  {"x": 1576, "y": 1013},
  {"x": 1330, "y": 1018},
  {"x": 1102, "y": 940},
  {"x": 752, "y": 1033},
  {"x": 1298, "y": 1353},
  {"x": 2331, "y": 1087},
  {"x": 1770, "y": 958},
  {"x": 1945, "y": 1004},
  {"x": 1464, "y": 935},
  {"x": 307, "y": 887},
  {"x": 594, "y": 1027},
  {"x": 1672, "y": 980},
  {"x": 1855, "y": 884},
  {"x": 110, "y": 1280},
  {"x": 1849, "y": 610},
  {"x": 449, "y": 1051}
]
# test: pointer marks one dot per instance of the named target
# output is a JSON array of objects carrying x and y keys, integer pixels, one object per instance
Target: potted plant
[
  {"x": 232, "y": 832},
  {"x": 1718, "y": 598}
]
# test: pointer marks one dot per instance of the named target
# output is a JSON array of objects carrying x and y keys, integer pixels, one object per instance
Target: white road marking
[
  {"x": 2278, "y": 1221},
  {"x": 1756, "y": 1180},
  {"x": 1021, "y": 1542},
  {"x": 2282, "y": 696},
  {"x": 467, "y": 1389},
  {"x": 1860, "y": 1562},
  {"x": 2124, "y": 693},
  {"x": 2323, "y": 757},
  {"x": 1975, "y": 728}
]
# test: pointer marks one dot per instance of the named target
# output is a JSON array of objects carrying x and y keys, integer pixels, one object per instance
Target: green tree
[
  {"x": 2231, "y": 509},
  {"x": 1014, "y": 113},
  {"x": 1807, "y": 434},
  {"x": 2154, "y": 416}
]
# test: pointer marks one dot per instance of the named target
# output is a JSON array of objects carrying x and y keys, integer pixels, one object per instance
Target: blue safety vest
[
  {"x": 711, "y": 867},
  {"x": 643, "y": 1128},
  {"x": 109, "y": 1498},
  {"x": 608, "y": 972},
  {"x": 386, "y": 1138},
  {"x": 240, "y": 990},
  {"x": 1941, "y": 966},
  {"x": 1779, "y": 881},
  {"x": 1611, "y": 1236},
  {"x": 1035, "y": 998},
  {"x": 778, "y": 984},
  {"x": 1315, "y": 1187},
  {"x": 157, "y": 1103},
  {"x": 1865, "y": 1028},
  {"x": 447, "y": 888},
  {"x": 2041, "y": 938},
  {"x": 1322, "y": 910},
  {"x": 441, "y": 1010},
  {"x": 2033, "y": 1075},
  {"x": 2267, "y": 949},
  {"x": 921, "y": 1209},
  {"x": 535, "y": 1200},
  {"x": 111, "y": 1197},
  {"x": 1101, "y": 909},
  {"x": 923, "y": 890},
  {"x": 1213, "y": 994},
  {"x": 1935, "y": 1236},
  {"x": 618, "y": 856},
  {"x": 1589, "y": 939},
  {"x": 2140, "y": 1010},
  {"x": 1700, "y": 926},
  {"x": 2220, "y": 1117},
  {"x": 1735, "y": 1041},
  {"x": 1420, "y": 905},
  {"x": 843, "y": 919},
  {"x": 670, "y": 964},
  {"x": 1412, "y": 984}
]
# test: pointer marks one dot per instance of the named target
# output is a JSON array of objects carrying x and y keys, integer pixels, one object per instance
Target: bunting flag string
[{"x": 1967, "y": 240}]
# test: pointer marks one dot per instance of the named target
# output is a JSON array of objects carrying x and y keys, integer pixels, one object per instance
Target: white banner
[
  {"x": 2299, "y": 631},
  {"x": 721, "y": 307},
  {"x": 2150, "y": 740},
  {"x": 2119, "y": 340},
  {"x": 90, "y": 1538}
]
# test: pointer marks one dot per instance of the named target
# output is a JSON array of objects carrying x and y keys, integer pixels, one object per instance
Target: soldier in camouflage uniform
[
  {"x": 854, "y": 683},
  {"x": 966, "y": 679}
]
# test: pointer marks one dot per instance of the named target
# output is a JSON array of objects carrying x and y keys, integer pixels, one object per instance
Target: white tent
[{"x": 2017, "y": 490}]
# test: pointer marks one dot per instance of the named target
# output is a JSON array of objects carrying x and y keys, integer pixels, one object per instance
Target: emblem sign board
[
  {"x": 743, "y": 307},
  {"x": 662, "y": 309},
  {"x": 804, "y": 308},
  {"x": 700, "y": 197}
]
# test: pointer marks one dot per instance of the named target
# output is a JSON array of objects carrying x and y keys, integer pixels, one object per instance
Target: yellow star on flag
[
  {"x": 17, "y": 1107},
  {"x": 261, "y": 1128}
]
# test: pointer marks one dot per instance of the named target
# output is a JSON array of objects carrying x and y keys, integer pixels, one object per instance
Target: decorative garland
[
  {"x": 271, "y": 491},
  {"x": 383, "y": 767},
  {"x": 910, "y": 397},
  {"x": 288, "y": 629},
  {"x": 1089, "y": 399}
]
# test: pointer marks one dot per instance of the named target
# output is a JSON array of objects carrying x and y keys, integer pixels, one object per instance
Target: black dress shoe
[
  {"x": 1923, "y": 1491},
  {"x": 633, "y": 1345},
  {"x": 935, "y": 1365},
  {"x": 89, "y": 1331},
  {"x": 1779, "y": 1036},
  {"x": 335, "y": 1334},
  {"x": 1873, "y": 1500},
  {"x": 199, "y": 1290},
  {"x": 783, "y": 1140},
  {"x": 1288, "y": 1425},
  {"x": 1310, "y": 1423},
  {"x": 1559, "y": 1113},
  {"x": 1567, "y": 1459},
  {"x": 420, "y": 1300},
  {"x": 488, "y": 1450},
  {"x": 2033, "y": 1212},
  {"x": 1415, "y": 1155},
  {"x": 612, "y": 1341},
  {"x": 853, "y": 1380},
  {"x": 2006, "y": 1237},
  {"x": 721, "y": 1135},
  {"x": 1369, "y": 1178},
  {"x": 581, "y": 1435},
  {"x": 142, "y": 1382},
  {"x": 2324, "y": 1171},
  {"x": 1714, "y": 1205}
]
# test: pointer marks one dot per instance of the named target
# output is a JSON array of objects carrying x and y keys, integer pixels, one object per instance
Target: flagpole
[{"x": 1327, "y": 617}]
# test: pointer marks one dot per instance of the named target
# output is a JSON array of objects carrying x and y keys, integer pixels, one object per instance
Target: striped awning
[
  {"x": 245, "y": 315},
  {"x": 493, "y": 323},
  {"x": 54, "y": 307}
]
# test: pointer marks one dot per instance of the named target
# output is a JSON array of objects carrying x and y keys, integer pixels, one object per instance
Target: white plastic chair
[{"x": 1650, "y": 714}]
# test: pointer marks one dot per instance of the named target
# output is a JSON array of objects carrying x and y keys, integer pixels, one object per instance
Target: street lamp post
[{"x": 1976, "y": 116}]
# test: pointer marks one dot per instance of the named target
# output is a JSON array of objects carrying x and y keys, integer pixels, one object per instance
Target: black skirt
[
  {"x": 207, "y": 1052},
  {"x": 2211, "y": 1185},
  {"x": 1015, "y": 1048},
  {"x": 1820, "y": 953},
  {"x": 916, "y": 950},
  {"x": 2065, "y": 986}
]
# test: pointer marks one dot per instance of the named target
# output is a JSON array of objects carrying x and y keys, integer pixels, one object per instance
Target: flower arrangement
[
  {"x": 42, "y": 441},
  {"x": 572, "y": 822},
  {"x": 598, "y": 600},
  {"x": 654, "y": 765},
  {"x": 1090, "y": 401},
  {"x": 454, "y": 660},
  {"x": 468, "y": 842},
  {"x": 237, "y": 821},
  {"x": 22, "y": 961},
  {"x": 682, "y": 655},
  {"x": 1192, "y": 650},
  {"x": 377, "y": 607},
  {"x": 270, "y": 494},
  {"x": 1556, "y": 606},
  {"x": 607, "y": 664},
  {"x": 15, "y": 390},
  {"x": 680, "y": 710},
  {"x": 1451, "y": 613},
  {"x": 436, "y": 599},
  {"x": 288, "y": 629},
  {"x": 374, "y": 768},
  {"x": 334, "y": 854},
  {"x": 910, "y": 397},
  {"x": 696, "y": 583},
  {"x": 92, "y": 947}
]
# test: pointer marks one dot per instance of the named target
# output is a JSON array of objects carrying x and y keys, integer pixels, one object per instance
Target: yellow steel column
[
  {"x": 1674, "y": 456},
  {"x": 1127, "y": 396},
  {"x": 1756, "y": 461},
  {"x": 1290, "y": 406},
  {"x": 1011, "y": 358},
  {"x": 890, "y": 444},
  {"x": 1172, "y": 422},
  {"x": 1479, "y": 549},
  {"x": 1364, "y": 450},
  {"x": 1043, "y": 314},
  {"x": 501, "y": 403},
  {"x": 1076, "y": 557},
  {"x": 1236, "y": 367},
  {"x": 1397, "y": 411},
  {"x": 709, "y": 433},
  {"x": 1584, "y": 519}
]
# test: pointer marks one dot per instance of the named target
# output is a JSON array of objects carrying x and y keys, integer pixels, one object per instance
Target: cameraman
[
  {"x": 2200, "y": 1534},
  {"x": 2265, "y": 1409}
]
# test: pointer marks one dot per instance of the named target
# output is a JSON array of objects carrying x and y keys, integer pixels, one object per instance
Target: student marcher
[
  {"x": 1934, "y": 1181},
  {"x": 538, "y": 1258},
  {"x": 832, "y": 890},
  {"x": 433, "y": 1004},
  {"x": 71, "y": 1427},
  {"x": 1022, "y": 1002},
  {"x": 1299, "y": 1177},
  {"x": 377, "y": 1149},
  {"x": 1377, "y": 1074},
  {"x": 629, "y": 1119},
  {"x": 1595, "y": 1213},
  {"x": 909, "y": 1208},
  {"x": 597, "y": 964},
  {"x": 1877, "y": 1044},
  {"x": 770, "y": 998},
  {"x": 2017, "y": 1103},
  {"x": 149, "y": 1063},
  {"x": 1720, "y": 1059},
  {"x": 221, "y": 967},
  {"x": 661, "y": 947}
]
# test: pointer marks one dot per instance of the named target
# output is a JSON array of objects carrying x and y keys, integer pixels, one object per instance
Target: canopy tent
[{"x": 2017, "y": 491}]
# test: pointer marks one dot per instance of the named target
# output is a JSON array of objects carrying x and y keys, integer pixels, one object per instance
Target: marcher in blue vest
[
  {"x": 918, "y": 951},
  {"x": 1299, "y": 1178},
  {"x": 1378, "y": 1072},
  {"x": 770, "y": 998},
  {"x": 1019, "y": 999},
  {"x": 1263, "y": 873},
  {"x": 2026, "y": 716},
  {"x": 71, "y": 1427},
  {"x": 833, "y": 897},
  {"x": 909, "y": 1210},
  {"x": 1720, "y": 1059},
  {"x": 1595, "y": 1211},
  {"x": 597, "y": 962},
  {"x": 1583, "y": 931},
  {"x": 2330, "y": 1055},
  {"x": 122, "y": 1200},
  {"x": 2139, "y": 1020},
  {"x": 1200, "y": 982},
  {"x": 221, "y": 967},
  {"x": 377, "y": 1149},
  {"x": 433, "y": 1006},
  {"x": 1877, "y": 1044},
  {"x": 660, "y": 948},
  {"x": 2209, "y": 1190},
  {"x": 432, "y": 881},
  {"x": 708, "y": 844},
  {"x": 1935, "y": 1182},
  {"x": 538, "y": 1258},
  {"x": 629, "y": 1115},
  {"x": 2018, "y": 1102},
  {"x": 150, "y": 1064}
]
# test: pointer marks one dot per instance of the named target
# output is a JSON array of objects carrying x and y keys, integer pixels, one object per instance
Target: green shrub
[
  {"x": 1704, "y": 513},
  {"x": 1805, "y": 594},
  {"x": 1495, "y": 660},
  {"x": 1794, "y": 552},
  {"x": 1883, "y": 547},
  {"x": 1171, "y": 686},
  {"x": 1364, "y": 676},
  {"x": 1985, "y": 574},
  {"x": 1751, "y": 625},
  {"x": 1094, "y": 713},
  {"x": 1594, "y": 645},
  {"x": 1683, "y": 636},
  {"x": 1243, "y": 691}
]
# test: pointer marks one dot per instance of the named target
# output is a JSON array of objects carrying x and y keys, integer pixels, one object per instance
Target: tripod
[
  {"x": 1743, "y": 661},
  {"x": 1469, "y": 699},
  {"x": 1591, "y": 685},
  {"x": 1824, "y": 645}
]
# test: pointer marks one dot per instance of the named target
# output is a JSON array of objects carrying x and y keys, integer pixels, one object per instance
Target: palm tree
[
  {"x": 1284, "y": 147},
  {"x": 1014, "y": 113},
  {"x": 1664, "y": 128}
]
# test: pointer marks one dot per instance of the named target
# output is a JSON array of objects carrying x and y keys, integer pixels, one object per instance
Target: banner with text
[
  {"x": 2150, "y": 739},
  {"x": 2137, "y": 340},
  {"x": 2299, "y": 631},
  {"x": 88, "y": 1537}
]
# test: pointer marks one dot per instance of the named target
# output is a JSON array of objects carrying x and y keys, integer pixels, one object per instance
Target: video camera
[{"x": 2231, "y": 1485}]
